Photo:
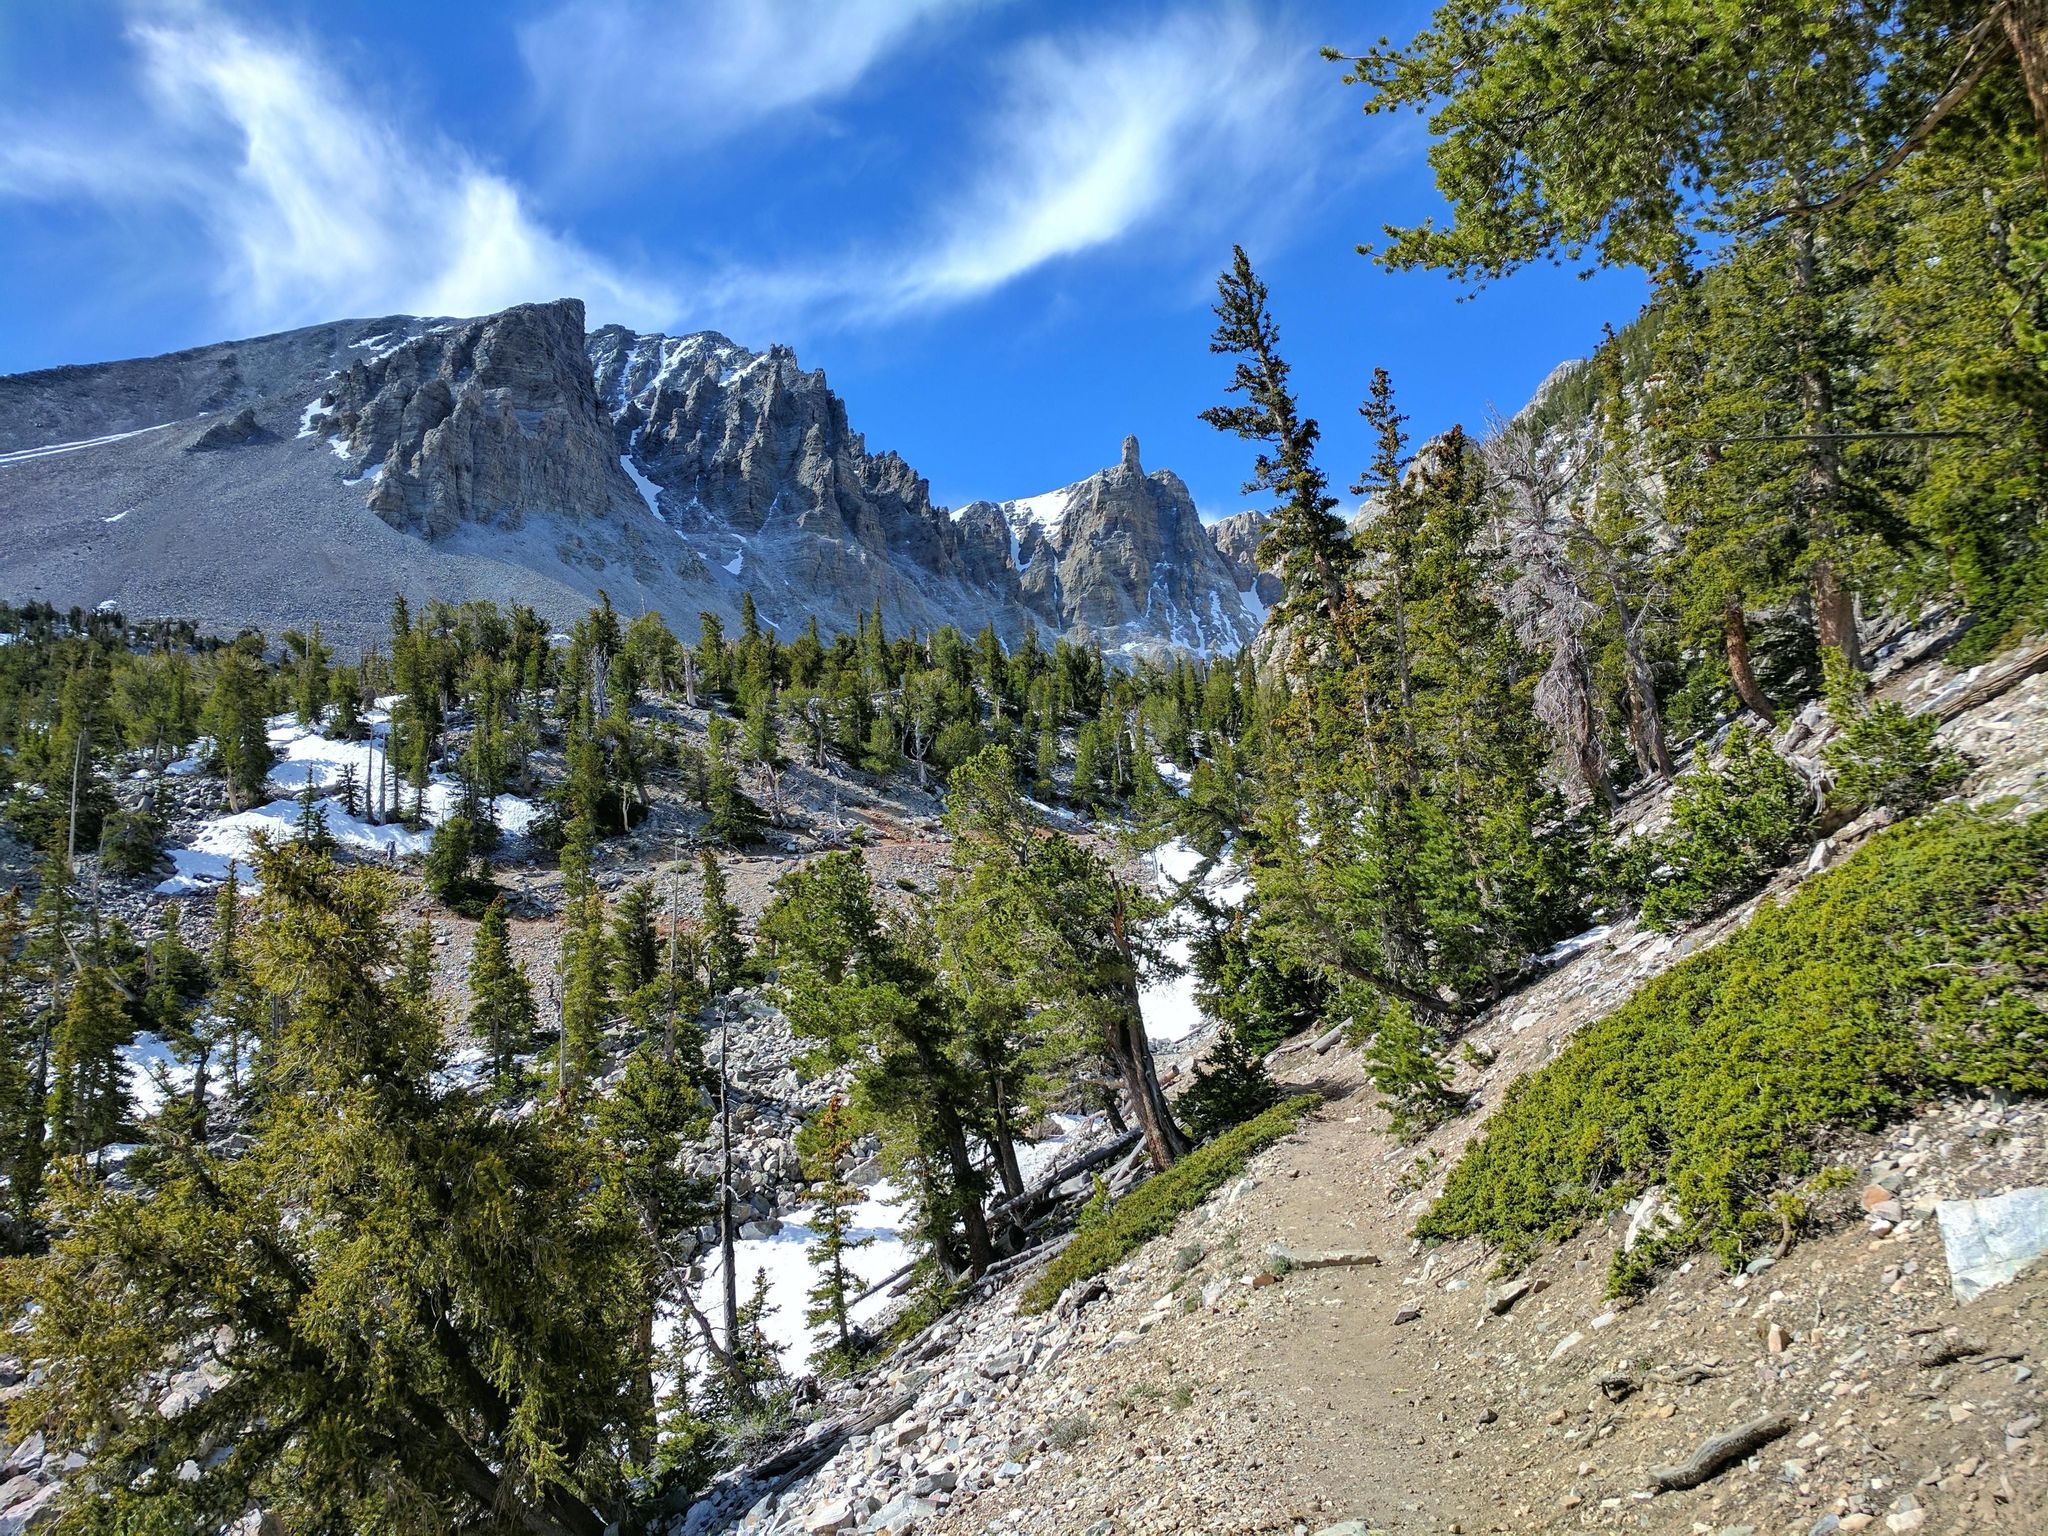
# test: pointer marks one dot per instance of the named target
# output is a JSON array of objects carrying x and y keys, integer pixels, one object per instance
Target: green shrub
[
  {"x": 1406, "y": 1065},
  {"x": 1882, "y": 755},
  {"x": 1229, "y": 1088},
  {"x": 1155, "y": 1205},
  {"x": 131, "y": 843},
  {"x": 1736, "y": 821},
  {"x": 1919, "y": 964}
]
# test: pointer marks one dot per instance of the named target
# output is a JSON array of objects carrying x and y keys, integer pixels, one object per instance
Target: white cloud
[
  {"x": 616, "y": 81},
  {"x": 315, "y": 205},
  {"x": 316, "y": 200},
  {"x": 1182, "y": 125}
]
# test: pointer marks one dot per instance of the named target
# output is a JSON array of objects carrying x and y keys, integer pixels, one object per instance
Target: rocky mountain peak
[
  {"x": 516, "y": 455},
  {"x": 1122, "y": 556},
  {"x": 482, "y": 422}
]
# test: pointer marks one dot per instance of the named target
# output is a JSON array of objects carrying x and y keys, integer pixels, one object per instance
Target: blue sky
[{"x": 995, "y": 226}]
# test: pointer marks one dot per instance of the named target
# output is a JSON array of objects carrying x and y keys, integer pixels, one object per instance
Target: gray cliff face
[
  {"x": 749, "y": 459},
  {"x": 484, "y": 422},
  {"x": 1238, "y": 539},
  {"x": 1123, "y": 557},
  {"x": 313, "y": 473}
]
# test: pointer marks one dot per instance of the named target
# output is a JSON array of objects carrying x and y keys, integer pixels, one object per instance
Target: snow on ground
[
  {"x": 307, "y": 757},
  {"x": 733, "y": 565},
  {"x": 152, "y": 1071},
  {"x": 1168, "y": 1003},
  {"x": 1253, "y": 606},
  {"x": 116, "y": 517},
  {"x": 51, "y": 450},
  {"x": 786, "y": 1259},
  {"x": 1557, "y": 954}
]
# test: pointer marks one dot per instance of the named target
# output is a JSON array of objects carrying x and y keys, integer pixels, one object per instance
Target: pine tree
[
  {"x": 724, "y": 951},
  {"x": 450, "y": 867},
  {"x": 734, "y": 818},
  {"x": 416, "y": 967},
  {"x": 349, "y": 791},
  {"x": 310, "y": 827},
  {"x": 1075, "y": 934},
  {"x": 241, "y": 738},
  {"x": 88, "y": 1078},
  {"x": 501, "y": 1012},
  {"x": 830, "y": 1308},
  {"x": 636, "y": 948},
  {"x": 308, "y": 671},
  {"x": 23, "y": 1099},
  {"x": 854, "y": 981},
  {"x": 586, "y": 968},
  {"x": 1310, "y": 546},
  {"x": 364, "y": 1194},
  {"x": 175, "y": 983},
  {"x": 648, "y": 1123}
]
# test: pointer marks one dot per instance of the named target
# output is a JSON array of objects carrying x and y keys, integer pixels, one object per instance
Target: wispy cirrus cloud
[
  {"x": 316, "y": 204},
  {"x": 315, "y": 198},
  {"x": 622, "y": 82},
  {"x": 1172, "y": 129}
]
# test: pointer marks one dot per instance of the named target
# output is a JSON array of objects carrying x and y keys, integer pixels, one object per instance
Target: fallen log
[
  {"x": 883, "y": 1283},
  {"x": 1989, "y": 687},
  {"x": 1319, "y": 1258},
  {"x": 1003, "y": 1210},
  {"x": 1717, "y": 1451}
]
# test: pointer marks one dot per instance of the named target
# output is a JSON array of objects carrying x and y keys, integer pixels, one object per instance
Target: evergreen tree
[
  {"x": 310, "y": 827},
  {"x": 854, "y": 982},
  {"x": 1308, "y": 544},
  {"x": 830, "y": 1305},
  {"x": 22, "y": 1100},
  {"x": 724, "y": 951},
  {"x": 88, "y": 1078},
  {"x": 648, "y": 1124},
  {"x": 586, "y": 968},
  {"x": 175, "y": 983},
  {"x": 1079, "y": 937},
  {"x": 636, "y": 948},
  {"x": 308, "y": 658},
  {"x": 450, "y": 868},
  {"x": 430, "y": 1305},
  {"x": 501, "y": 1013},
  {"x": 241, "y": 738}
]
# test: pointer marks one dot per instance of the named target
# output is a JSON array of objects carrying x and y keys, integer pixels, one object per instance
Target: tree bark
[
  {"x": 2026, "y": 28},
  {"x": 729, "y": 1275},
  {"x": 1004, "y": 1136},
  {"x": 1129, "y": 1048},
  {"x": 1735, "y": 635},
  {"x": 973, "y": 1219}
]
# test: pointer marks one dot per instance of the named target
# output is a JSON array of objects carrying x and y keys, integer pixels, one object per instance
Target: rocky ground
[
  {"x": 1290, "y": 1360},
  {"x": 1206, "y": 1386}
]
